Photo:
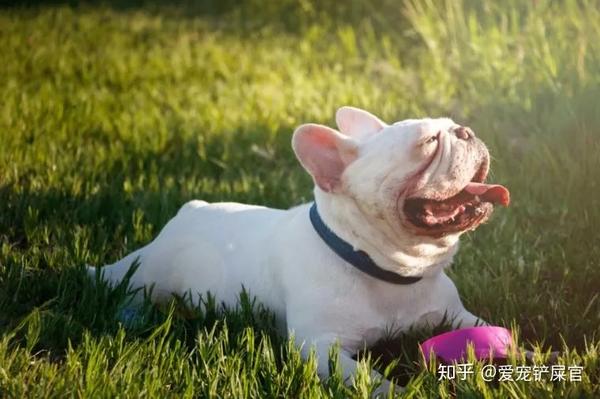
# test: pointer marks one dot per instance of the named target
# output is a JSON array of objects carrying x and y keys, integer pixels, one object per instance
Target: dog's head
[{"x": 422, "y": 177}]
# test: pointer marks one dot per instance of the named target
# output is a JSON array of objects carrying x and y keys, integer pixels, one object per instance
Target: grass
[{"x": 115, "y": 114}]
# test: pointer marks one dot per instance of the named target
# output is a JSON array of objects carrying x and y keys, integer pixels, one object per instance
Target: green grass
[{"x": 114, "y": 115}]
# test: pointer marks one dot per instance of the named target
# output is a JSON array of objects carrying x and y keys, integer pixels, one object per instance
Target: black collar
[{"x": 359, "y": 259}]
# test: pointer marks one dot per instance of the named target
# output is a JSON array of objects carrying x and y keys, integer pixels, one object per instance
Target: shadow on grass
[
  {"x": 157, "y": 181},
  {"x": 248, "y": 16},
  {"x": 121, "y": 204}
]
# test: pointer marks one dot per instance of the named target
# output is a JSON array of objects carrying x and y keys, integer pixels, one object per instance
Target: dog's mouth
[{"x": 460, "y": 212}]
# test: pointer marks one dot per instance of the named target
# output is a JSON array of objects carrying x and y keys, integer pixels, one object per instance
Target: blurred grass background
[{"x": 113, "y": 114}]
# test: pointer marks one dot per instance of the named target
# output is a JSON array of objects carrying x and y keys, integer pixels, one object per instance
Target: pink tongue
[{"x": 490, "y": 192}]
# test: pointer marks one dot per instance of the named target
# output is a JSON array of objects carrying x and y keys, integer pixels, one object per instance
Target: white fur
[{"x": 278, "y": 257}]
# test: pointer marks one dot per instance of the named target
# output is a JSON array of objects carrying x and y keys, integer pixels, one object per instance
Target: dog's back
[{"x": 216, "y": 248}]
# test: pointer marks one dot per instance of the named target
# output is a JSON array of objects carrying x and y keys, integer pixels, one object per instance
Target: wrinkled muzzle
[{"x": 449, "y": 194}]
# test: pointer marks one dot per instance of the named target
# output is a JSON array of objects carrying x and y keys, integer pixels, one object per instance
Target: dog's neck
[{"x": 391, "y": 247}]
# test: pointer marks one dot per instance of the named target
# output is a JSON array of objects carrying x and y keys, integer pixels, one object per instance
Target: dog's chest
[{"x": 399, "y": 307}]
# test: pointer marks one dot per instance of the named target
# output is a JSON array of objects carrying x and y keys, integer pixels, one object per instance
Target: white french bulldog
[{"x": 368, "y": 256}]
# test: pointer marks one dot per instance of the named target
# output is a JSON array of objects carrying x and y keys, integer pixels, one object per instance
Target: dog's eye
[{"x": 431, "y": 139}]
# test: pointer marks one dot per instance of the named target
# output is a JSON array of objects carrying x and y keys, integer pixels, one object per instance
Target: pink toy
[{"x": 452, "y": 346}]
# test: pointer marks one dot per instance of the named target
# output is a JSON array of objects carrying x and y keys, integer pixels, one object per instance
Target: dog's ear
[
  {"x": 324, "y": 153},
  {"x": 357, "y": 123}
]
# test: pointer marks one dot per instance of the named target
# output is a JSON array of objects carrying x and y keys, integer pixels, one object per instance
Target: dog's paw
[{"x": 387, "y": 389}]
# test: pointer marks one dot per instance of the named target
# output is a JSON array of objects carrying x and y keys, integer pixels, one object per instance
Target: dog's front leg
[
  {"x": 463, "y": 319},
  {"x": 459, "y": 317},
  {"x": 454, "y": 310},
  {"x": 347, "y": 364}
]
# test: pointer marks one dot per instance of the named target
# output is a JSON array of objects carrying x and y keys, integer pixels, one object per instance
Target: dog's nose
[{"x": 464, "y": 133}]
